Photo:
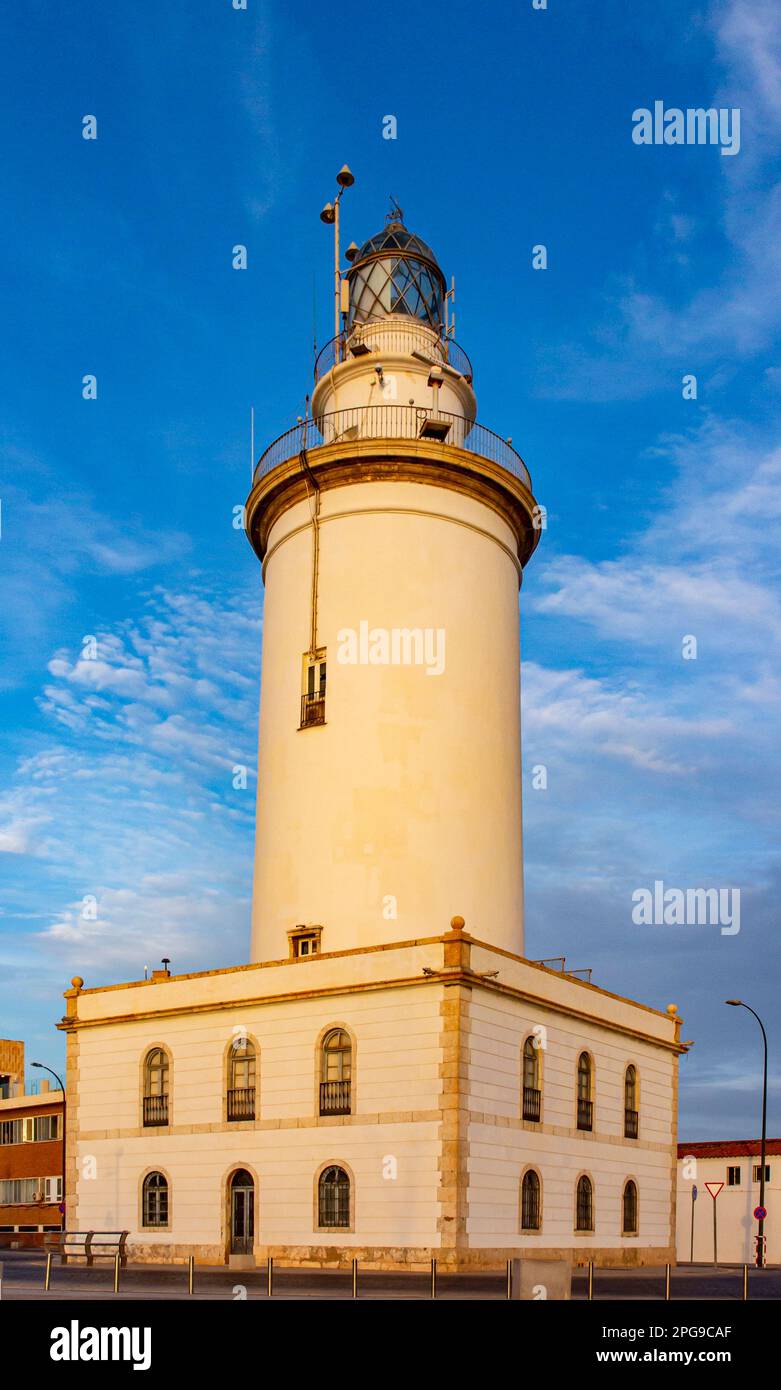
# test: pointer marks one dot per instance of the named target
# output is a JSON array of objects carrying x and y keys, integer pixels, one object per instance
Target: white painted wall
[{"x": 735, "y": 1223}]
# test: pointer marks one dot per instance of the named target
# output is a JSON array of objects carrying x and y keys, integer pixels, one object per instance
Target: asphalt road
[{"x": 23, "y": 1278}]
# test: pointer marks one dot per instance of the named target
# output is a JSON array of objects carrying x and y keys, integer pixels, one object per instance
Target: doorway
[{"x": 242, "y": 1209}]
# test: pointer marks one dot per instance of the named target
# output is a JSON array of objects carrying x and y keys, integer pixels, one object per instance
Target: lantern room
[{"x": 395, "y": 272}]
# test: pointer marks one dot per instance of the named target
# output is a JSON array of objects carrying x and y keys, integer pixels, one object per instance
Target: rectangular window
[
  {"x": 758, "y": 1170},
  {"x": 20, "y": 1191},
  {"x": 313, "y": 689},
  {"x": 304, "y": 942},
  {"x": 10, "y": 1131},
  {"x": 41, "y": 1127},
  {"x": 53, "y": 1189},
  {"x": 733, "y": 1177}
]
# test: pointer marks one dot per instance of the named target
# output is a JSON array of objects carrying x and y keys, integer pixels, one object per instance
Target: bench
[{"x": 88, "y": 1245}]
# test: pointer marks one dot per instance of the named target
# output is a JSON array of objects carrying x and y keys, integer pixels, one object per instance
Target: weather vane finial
[{"x": 395, "y": 214}]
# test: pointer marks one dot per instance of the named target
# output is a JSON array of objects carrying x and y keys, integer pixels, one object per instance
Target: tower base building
[
  {"x": 375, "y": 1084},
  {"x": 428, "y": 1144}
]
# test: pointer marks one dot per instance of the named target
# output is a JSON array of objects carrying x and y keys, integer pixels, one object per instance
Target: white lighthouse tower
[{"x": 393, "y": 531}]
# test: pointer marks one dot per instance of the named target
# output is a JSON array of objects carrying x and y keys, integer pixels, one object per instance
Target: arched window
[
  {"x": 333, "y": 1198},
  {"x": 531, "y": 1080},
  {"x": 530, "y": 1201},
  {"x": 585, "y": 1098},
  {"x": 156, "y": 1087},
  {"x": 584, "y": 1205},
  {"x": 155, "y": 1200},
  {"x": 630, "y": 1208},
  {"x": 630, "y": 1103},
  {"x": 336, "y": 1073},
  {"x": 241, "y": 1080}
]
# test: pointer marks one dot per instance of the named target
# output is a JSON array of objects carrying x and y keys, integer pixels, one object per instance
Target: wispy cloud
[{"x": 129, "y": 834}]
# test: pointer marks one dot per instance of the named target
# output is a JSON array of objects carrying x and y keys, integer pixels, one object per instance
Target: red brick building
[{"x": 31, "y": 1151}]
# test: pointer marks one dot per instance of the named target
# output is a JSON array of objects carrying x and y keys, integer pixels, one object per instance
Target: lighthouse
[
  {"x": 389, "y": 1080},
  {"x": 393, "y": 530}
]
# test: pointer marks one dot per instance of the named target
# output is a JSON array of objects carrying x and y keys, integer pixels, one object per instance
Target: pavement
[{"x": 23, "y": 1274}]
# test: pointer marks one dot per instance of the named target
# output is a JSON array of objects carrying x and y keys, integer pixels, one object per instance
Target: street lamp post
[
  {"x": 330, "y": 215},
  {"x": 62, "y": 1088},
  {"x": 738, "y": 1003}
]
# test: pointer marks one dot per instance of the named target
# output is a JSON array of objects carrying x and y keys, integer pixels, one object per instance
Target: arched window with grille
[
  {"x": 585, "y": 1092},
  {"x": 629, "y": 1214},
  {"x": 154, "y": 1201},
  {"x": 333, "y": 1199},
  {"x": 630, "y": 1103},
  {"x": 242, "y": 1073},
  {"x": 532, "y": 1094},
  {"x": 531, "y": 1212},
  {"x": 156, "y": 1087},
  {"x": 336, "y": 1068},
  {"x": 584, "y": 1205}
]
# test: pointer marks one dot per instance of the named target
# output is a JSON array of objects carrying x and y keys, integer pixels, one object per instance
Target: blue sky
[{"x": 218, "y": 127}]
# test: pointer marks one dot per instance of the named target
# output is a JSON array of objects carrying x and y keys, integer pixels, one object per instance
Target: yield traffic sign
[{"x": 714, "y": 1188}]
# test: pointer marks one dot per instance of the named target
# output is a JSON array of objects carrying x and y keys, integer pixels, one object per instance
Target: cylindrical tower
[{"x": 392, "y": 530}]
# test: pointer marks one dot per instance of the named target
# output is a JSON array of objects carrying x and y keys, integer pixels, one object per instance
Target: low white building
[
  {"x": 735, "y": 1164},
  {"x": 434, "y": 1098}
]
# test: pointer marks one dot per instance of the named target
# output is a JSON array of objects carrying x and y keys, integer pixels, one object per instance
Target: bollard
[
  {"x": 270, "y": 1281},
  {"x": 190, "y": 1273},
  {"x": 355, "y": 1278},
  {"x": 433, "y": 1278},
  {"x": 116, "y": 1273},
  {"x": 745, "y": 1281},
  {"x": 48, "y": 1278},
  {"x": 590, "y": 1279},
  {"x": 667, "y": 1283},
  {"x": 509, "y": 1278}
]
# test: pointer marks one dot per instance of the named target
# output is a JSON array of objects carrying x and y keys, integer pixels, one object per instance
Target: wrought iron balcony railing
[
  {"x": 312, "y": 710},
  {"x": 585, "y": 1114},
  {"x": 380, "y": 336},
  {"x": 630, "y": 1124},
  {"x": 531, "y": 1103},
  {"x": 156, "y": 1110},
  {"x": 334, "y": 1098},
  {"x": 392, "y": 422},
  {"x": 241, "y": 1103}
]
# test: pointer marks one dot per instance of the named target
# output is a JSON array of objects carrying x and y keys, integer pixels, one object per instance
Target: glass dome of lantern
[{"x": 396, "y": 273}]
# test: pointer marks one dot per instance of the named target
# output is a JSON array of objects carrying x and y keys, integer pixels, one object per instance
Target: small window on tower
[
  {"x": 304, "y": 942},
  {"x": 313, "y": 692}
]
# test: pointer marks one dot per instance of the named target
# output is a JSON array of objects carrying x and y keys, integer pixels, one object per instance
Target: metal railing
[
  {"x": 630, "y": 1124},
  {"x": 381, "y": 336},
  {"x": 392, "y": 422},
  {"x": 334, "y": 1098},
  {"x": 531, "y": 1103},
  {"x": 585, "y": 1114},
  {"x": 156, "y": 1110},
  {"x": 241, "y": 1103},
  {"x": 312, "y": 710}
]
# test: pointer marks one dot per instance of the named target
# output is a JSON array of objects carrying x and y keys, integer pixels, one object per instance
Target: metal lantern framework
[{"x": 396, "y": 273}]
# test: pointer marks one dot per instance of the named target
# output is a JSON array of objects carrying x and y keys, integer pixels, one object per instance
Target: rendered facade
[{"x": 735, "y": 1163}]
